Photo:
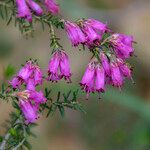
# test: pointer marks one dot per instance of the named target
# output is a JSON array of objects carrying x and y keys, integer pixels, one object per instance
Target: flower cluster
[
  {"x": 122, "y": 45},
  {"x": 88, "y": 32},
  {"x": 26, "y": 7},
  {"x": 108, "y": 64},
  {"x": 59, "y": 66},
  {"x": 107, "y": 67},
  {"x": 29, "y": 75}
]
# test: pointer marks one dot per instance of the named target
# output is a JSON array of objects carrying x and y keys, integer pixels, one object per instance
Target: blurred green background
[{"x": 121, "y": 121}]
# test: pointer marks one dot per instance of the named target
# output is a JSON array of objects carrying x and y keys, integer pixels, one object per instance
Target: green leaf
[
  {"x": 13, "y": 132},
  {"x": 1, "y": 138},
  {"x": 62, "y": 111},
  {"x": 66, "y": 96},
  {"x": 75, "y": 93},
  {"x": 52, "y": 110},
  {"x": 58, "y": 96},
  {"x": 27, "y": 145},
  {"x": 9, "y": 71},
  {"x": 15, "y": 105},
  {"x": 3, "y": 88},
  {"x": 9, "y": 20}
]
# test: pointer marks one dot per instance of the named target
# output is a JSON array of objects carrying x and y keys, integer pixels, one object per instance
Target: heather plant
[{"x": 107, "y": 66}]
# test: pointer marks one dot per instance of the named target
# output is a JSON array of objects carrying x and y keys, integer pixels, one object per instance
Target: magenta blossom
[
  {"x": 37, "y": 97},
  {"x": 29, "y": 111},
  {"x": 100, "y": 79},
  {"x": 30, "y": 84},
  {"x": 59, "y": 66},
  {"x": 32, "y": 96},
  {"x": 97, "y": 25},
  {"x": 123, "y": 45},
  {"x": 74, "y": 33},
  {"x": 29, "y": 102},
  {"x": 53, "y": 74},
  {"x": 116, "y": 77},
  {"x": 23, "y": 11},
  {"x": 35, "y": 7},
  {"x": 52, "y": 6},
  {"x": 30, "y": 74},
  {"x": 105, "y": 63},
  {"x": 91, "y": 35},
  {"x": 37, "y": 75},
  {"x": 26, "y": 71},
  {"x": 124, "y": 68},
  {"x": 87, "y": 81},
  {"x": 16, "y": 82},
  {"x": 65, "y": 67}
]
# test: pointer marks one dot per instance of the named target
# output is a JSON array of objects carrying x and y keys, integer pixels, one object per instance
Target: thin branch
[
  {"x": 3, "y": 144},
  {"x": 19, "y": 145},
  {"x": 7, "y": 135}
]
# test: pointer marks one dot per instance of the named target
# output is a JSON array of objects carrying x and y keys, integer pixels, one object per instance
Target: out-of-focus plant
[{"x": 109, "y": 52}]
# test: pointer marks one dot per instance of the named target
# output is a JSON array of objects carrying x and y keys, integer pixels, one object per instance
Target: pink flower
[
  {"x": 105, "y": 63},
  {"x": 116, "y": 76},
  {"x": 35, "y": 7},
  {"x": 59, "y": 66},
  {"x": 53, "y": 67},
  {"x": 26, "y": 71},
  {"x": 74, "y": 33},
  {"x": 124, "y": 68},
  {"x": 29, "y": 111},
  {"x": 31, "y": 74},
  {"x": 123, "y": 45},
  {"x": 23, "y": 11},
  {"x": 91, "y": 35},
  {"x": 52, "y": 6},
  {"x": 87, "y": 81},
  {"x": 100, "y": 79},
  {"x": 30, "y": 84},
  {"x": 37, "y": 97},
  {"x": 65, "y": 67},
  {"x": 37, "y": 75},
  {"x": 16, "y": 82},
  {"x": 97, "y": 25},
  {"x": 29, "y": 102}
]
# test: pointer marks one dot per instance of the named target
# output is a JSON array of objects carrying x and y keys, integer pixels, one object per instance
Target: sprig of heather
[
  {"x": 108, "y": 66},
  {"x": 109, "y": 50}
]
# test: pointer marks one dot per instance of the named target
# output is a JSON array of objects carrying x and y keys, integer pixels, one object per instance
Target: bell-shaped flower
[
  {"x": 100, "y": 79},
  {"x": 87, "y": 81},
  {"x": 74, "y": 33},
  {"x": 35, "y": 7},
  {"x": 116, "y": 77},
  {"x": 29, "y": 111},
  {"x": 65, "y": 67},
  {"x": 23, "y": 11},
  {"x": 52, "y": 6},
  {"x": 105, "y": 63}
]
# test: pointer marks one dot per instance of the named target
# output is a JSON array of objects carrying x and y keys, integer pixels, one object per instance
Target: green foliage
[
  {"x": 8, "y": 12},
  {"x": 18, "y": 130},
  {"x": 62, "y": 101},
  {"x": 9, "y": 71},
  {"x": 17, "y": 133}
]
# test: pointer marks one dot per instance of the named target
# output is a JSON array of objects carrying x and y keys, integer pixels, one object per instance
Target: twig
[
  {"x": 3, "y": 144},
  {"x": 19, "y": 145},
  {"x": 7, "y": 135}
]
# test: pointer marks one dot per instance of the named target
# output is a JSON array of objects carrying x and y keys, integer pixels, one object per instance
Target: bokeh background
[{"x": 121, "y": 120}]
